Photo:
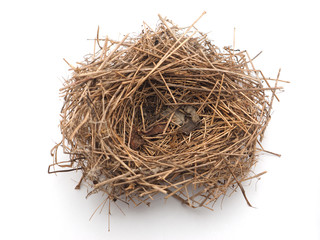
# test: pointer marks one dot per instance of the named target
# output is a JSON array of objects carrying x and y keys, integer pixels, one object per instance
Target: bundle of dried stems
[{"x": 165, "y": 112}]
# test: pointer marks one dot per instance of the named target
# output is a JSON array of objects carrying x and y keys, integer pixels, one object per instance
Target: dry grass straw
[{"x": 164, "y": 111}]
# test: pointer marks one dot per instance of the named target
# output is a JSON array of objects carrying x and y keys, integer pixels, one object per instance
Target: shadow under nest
[{"x": 164, "y": 112}]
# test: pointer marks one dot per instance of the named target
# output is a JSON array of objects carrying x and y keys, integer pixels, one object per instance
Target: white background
[{"x": 36, "y": 35}]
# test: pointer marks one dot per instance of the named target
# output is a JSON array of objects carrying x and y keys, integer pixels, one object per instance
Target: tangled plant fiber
[{"x": 165, "y": 111}]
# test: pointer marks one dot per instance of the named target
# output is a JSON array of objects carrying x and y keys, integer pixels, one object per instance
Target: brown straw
[{"x": 165, "y": 111}]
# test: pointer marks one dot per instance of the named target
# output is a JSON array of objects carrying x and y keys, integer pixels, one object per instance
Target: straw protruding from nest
[{"x": 167, "y": 112}]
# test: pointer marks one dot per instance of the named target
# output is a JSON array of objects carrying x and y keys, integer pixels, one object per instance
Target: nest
[{"x": 164, "y": 111}]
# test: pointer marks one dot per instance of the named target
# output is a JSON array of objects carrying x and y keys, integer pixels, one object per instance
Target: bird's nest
[{"x": 164, "y": 111}]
